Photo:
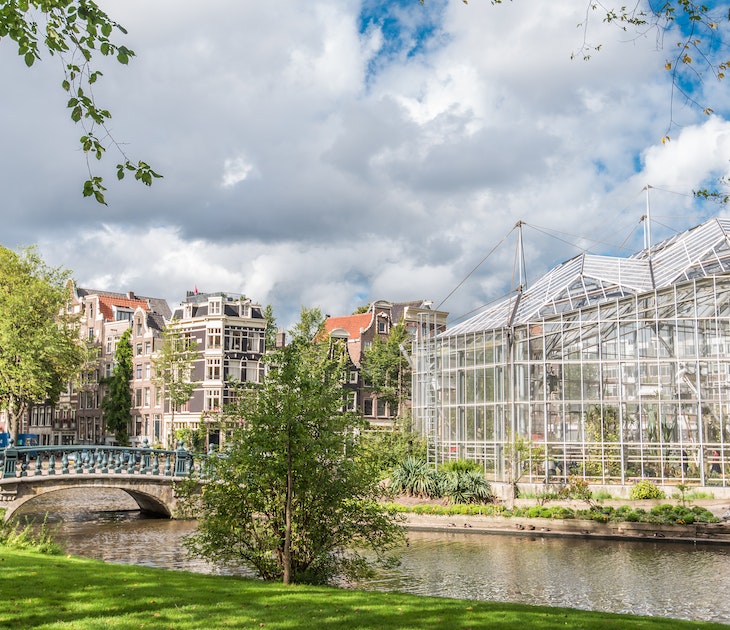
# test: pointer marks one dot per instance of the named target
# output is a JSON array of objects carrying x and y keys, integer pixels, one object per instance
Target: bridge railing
[{"x": 25, "y": 461}]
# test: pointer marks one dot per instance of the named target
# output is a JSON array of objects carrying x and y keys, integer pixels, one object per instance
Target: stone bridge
[{"x": 147, "y": 475}]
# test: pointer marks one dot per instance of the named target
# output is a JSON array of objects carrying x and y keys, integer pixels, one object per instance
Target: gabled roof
[
  {"x": 107, "y": 299},
  {"x": 590, "y": 279},
  {"x": 353, "y": 324},
  {"x": 108, "y": 303}
]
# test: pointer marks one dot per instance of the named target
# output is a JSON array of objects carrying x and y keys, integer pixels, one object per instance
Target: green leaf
[{"x": 29, "y": 59}]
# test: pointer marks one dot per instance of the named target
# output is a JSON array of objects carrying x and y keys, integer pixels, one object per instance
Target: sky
[{"x": 330, "y": 153}]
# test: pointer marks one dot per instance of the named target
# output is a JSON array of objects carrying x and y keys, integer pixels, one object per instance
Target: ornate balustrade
[{"x": 26, "y": 461}]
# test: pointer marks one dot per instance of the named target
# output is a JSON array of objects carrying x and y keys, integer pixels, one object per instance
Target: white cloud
[
  {"x": 295, "y": 175},
  {"x": 235, "y": 171}
]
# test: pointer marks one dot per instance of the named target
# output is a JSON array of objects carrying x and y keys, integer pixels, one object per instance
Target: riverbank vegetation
[
  {"x": 664, "y": 514},
  {"x": 44, "y": 592}
]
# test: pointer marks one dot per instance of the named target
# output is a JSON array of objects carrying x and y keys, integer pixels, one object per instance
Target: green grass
[{"x": 45, "y": 591}]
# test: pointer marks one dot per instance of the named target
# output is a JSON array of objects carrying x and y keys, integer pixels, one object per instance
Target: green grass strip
[{"x": 44, "y": 591}]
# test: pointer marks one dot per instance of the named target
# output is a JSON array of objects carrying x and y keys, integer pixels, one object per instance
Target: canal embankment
[{"x": 710, "y": 533}]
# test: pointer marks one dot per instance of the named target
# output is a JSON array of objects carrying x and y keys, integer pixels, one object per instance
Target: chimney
[{"x": 280, "y": 339}]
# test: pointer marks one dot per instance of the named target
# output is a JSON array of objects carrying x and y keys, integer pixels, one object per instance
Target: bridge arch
[{"x": 153, "y": 495}]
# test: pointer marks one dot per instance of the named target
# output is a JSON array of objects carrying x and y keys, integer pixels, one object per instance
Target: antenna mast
[{"x": 647, "y": 222}]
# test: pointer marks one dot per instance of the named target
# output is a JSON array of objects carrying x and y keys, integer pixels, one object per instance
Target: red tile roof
[
  {"x": 107, "y": 302},
  {"x": 353, "y": 324}
]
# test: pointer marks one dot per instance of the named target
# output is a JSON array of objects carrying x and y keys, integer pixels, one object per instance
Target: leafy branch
[
  {"x": 697, "y": 47},
  {"x": 75, "y": 30}
]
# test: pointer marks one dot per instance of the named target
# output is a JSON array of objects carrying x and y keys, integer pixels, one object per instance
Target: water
[
  {"x": 666, "y": 580},
  {"x": 660, "y": 579}
]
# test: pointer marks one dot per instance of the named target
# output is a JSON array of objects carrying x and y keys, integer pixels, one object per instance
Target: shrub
[
  {"x": 645, "y": 489},
  {"x": 578, "y": 488},
  {"x": 19, "y": 537},
  {"x": 460, "y": 466},
  {"x": 415, "y": 477},
  {"x": 466, "y": 487}
]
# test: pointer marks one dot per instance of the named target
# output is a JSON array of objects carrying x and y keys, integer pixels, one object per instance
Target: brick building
[
  {"x": 360, "y": 330},
  {"x": 230, "y": 331}
]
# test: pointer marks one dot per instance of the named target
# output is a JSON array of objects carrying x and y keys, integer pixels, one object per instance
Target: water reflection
[
  {"x": 614, "y": 576},
  {"x": 660, "y": 579}
]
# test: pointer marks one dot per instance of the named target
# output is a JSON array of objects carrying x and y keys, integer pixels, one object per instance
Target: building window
[
  {"x": 353, "y": 376},
  {"x": 234, "y": 340},
  {"x": 147, "y": 371},
  {"x": 109, "y": 345},
  {"x": 138, "y": 371},
  {"x": 214, "y": 338},
  {"x": 91, "y": 334},
  {"x": 367, "y": 407},
  {"x": 139, "y": 349},
  {"x": 139, "y": 327},
  {"x": 254, "y": 371},
  {"x": 214, "y": 307},
  {"x": 108, "y": 370},
  {"x": 382, "y": 326},
  {"x": 137, "y": 397},
  {"x": 147, "y": 397},
  {"x": 382, "y": 408},
  {"x": 148, "y": 347},
  {"x": 351, "y": 401},
  {"x": 213, "y": 369},
  {"x": 233, "y": 371},
  {"x": 212, "y": 399}
]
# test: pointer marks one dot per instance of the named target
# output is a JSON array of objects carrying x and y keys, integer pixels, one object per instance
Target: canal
[{"x": 647, "y": 578}]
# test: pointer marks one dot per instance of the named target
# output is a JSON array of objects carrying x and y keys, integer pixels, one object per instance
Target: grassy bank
[{"x": 45, "y": 591}]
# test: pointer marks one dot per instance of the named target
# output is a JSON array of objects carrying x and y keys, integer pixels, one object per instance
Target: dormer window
[{"x": 214, "y": 306}]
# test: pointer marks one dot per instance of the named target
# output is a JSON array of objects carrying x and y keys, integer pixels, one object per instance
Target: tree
[
  {"x": 174, "y": 367},
  {"x": 291, "y": 499},
  {"x": 75, "y": 30},
  {"x": 39, "y": 346},
  {"x": 386, "y": 370},
  {"x": 698, "y": 47},
  {"x": 270, "y": 334},
  {"x": 117, "y": 403}
]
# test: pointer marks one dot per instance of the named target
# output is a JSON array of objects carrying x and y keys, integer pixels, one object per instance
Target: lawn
[{"x": 45, "y": 591}]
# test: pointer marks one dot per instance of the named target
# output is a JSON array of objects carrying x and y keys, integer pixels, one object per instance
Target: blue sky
[
  {"x": 405, "y": 32},
  {"x": 335, "y": 152}
]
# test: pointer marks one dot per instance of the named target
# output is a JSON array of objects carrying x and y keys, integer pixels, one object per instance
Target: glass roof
[{"x": 590, "y": 279}]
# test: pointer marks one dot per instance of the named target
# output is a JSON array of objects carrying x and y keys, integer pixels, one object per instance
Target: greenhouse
[{"x": 609, "y": 368}]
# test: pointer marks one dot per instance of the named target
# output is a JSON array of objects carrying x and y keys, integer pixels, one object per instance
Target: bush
[
  {"x": 460, "y": 483},
  {"x": 415, "y": 477},
  {"x": 460, "y": 466},
  {"x": 386, "y": 449},
  {"x": 645, "y": 489},
  {"x": 469, "y": 486},
  {"x": 19, "y": 537}
]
